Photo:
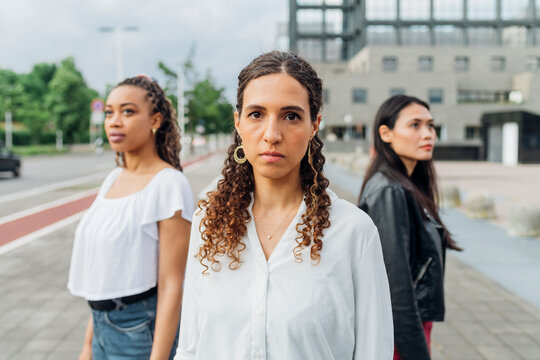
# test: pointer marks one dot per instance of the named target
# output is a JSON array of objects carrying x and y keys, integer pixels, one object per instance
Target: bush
[{"x": 24, "y": 138}]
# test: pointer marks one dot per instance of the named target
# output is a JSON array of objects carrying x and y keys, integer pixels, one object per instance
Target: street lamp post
[{"x": 118, "y": 30}]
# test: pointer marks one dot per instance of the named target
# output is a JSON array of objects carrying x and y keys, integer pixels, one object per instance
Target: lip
[
  {"x": 272, "y": 156},
  {"x": 427, "y": 147},
  {"x": 116, "y": 137}
]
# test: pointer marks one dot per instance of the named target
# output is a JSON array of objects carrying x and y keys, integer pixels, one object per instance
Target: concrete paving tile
[
  {"x": 532, "y": 330},
  {"x": 465, "y": 352},
  {"x": 62, "y": 354},
  {"x": 528, "y": 352},
  {"x": 520, "y": 340},
  {"x": 497, "y": 352},
  {"x": 31, "y": 355},
  {"x": 9, "y": 348},
  {"x": 481, "y": 338}
]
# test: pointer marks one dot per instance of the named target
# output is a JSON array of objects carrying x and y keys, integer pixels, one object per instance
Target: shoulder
[
  {"x": 171, "y": 177},
  {"x": 347, "y": 221},
  {"x": 113, "y": 174},
  {"x": 343, "y": 211},
  {"x": 109, "y": 179},
  {"x": 381, "y": 185}
]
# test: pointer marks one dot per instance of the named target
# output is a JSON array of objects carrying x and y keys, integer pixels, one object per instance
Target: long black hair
[{"x": 423, "y": 181}]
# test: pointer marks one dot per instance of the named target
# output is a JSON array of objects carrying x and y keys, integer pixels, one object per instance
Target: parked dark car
[{"x": 9, "y": 161}]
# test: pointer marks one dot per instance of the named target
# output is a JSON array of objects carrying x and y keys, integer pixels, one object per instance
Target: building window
[
  {"x": 461, "y": 64},
  {"x": 498, "y": 63},
  {"x": 436, "y": 96},
  {"x": 397, "y": 91},
  {"x": 326, "y": 96},
  {"x": 359, "y": 96},
  {"x": 472, "y": 132},
  {"x": 438, "y": 130},
  {"x": 533, "y": 63},
  {"x": 389, "y": 63},
  {"x": 425, "y": 63}
]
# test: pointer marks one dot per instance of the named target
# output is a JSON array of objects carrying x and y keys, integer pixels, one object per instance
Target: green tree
[
  {"x": 207, "y": 106},
  {"x": 69, "y": 101},
  {"x": 34, "y": 113}
]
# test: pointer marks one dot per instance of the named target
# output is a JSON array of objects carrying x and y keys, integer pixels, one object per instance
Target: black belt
[{"x": 120, "y": 303}]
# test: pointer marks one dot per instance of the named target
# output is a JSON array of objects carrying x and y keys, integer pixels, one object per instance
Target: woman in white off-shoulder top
[
  {"x": 284, "y": 269},
  {"x": 130, "y": 247}
]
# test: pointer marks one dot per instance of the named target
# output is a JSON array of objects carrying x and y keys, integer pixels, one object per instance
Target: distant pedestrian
[
  {"x": 130, "y": 247},
  {"x": 284, "y": 269},
  {"x": 400, "y": 195}
]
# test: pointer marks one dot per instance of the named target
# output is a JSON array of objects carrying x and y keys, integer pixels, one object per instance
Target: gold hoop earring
[{"x": 238, "y": 159}]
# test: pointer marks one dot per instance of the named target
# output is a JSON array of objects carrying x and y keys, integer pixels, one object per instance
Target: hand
[{"x": 86, "y": 353}]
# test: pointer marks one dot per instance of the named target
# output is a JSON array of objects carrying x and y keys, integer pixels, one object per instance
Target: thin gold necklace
[{"x": 269, "y": 236}]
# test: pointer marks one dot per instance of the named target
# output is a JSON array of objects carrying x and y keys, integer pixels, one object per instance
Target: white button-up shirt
[{"x": 280, "y": 309}]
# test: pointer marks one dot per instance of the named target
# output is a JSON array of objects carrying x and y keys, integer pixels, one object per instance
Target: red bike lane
[{"x": 27, "y": 224}]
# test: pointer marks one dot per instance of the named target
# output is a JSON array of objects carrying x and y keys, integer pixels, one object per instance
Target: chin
[{"x": 425, "y": 157}]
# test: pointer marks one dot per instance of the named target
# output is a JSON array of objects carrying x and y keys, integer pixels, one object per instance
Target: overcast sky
[{"x": 227, "y": 34}]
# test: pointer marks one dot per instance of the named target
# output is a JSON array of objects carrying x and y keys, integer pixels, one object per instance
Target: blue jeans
[{"x": 127, "y": 333}]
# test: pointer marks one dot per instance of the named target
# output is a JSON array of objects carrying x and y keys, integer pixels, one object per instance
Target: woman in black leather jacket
[{"x": 400, "y": 195}]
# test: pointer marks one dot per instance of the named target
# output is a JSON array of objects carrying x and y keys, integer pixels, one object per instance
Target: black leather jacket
[{"x": 414, "y": 254}]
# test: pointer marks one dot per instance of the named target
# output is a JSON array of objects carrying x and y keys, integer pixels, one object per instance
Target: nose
[
  {"x": 428, "y": 132},
  {"x": 272, "y": 131},
  {"x": 114, "y": 120}
]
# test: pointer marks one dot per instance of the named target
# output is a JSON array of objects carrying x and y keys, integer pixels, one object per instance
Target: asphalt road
[{"x": 39, "y": 171}]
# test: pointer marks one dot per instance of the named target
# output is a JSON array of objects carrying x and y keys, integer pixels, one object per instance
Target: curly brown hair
[
  {"x": 226, "y": 210},
  {"x": 168, "y": 134}
]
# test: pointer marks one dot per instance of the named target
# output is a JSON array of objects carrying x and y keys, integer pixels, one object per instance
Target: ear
[
  {"x": 237, "y": 122},
  {"x": 386, "y": 134},
  {"x": 315, "y": 125},
  {"x": 157, "y": 120}
]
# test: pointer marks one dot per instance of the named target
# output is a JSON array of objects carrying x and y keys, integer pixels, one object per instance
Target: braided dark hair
[{"x": 168, "y": 135}]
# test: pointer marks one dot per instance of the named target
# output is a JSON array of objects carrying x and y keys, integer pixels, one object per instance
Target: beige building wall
[{"x": 365, "y": 70}]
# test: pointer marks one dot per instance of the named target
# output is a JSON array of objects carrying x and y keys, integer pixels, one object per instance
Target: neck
[
  {"x": 410, "y": 164},
  {"x": 142, "y": 160},
  {"x": 273, "y": 195}
]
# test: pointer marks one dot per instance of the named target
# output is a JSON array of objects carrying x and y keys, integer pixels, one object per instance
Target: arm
[
  {"x": 86, "y": 352},
  {"x": 374, "y": 338},
  {"x": 388, "y": 210},
  {"x": 173, "y": 246}
]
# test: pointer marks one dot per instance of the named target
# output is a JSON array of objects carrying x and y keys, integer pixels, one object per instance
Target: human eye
[
  {"x": 108, "y": 113},
  {"x": 255, "y": 115},
  {"x": 128, "y": 111},
  {"x": 292, "y": 116}
]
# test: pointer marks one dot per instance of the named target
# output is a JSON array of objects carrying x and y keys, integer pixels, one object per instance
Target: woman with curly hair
[
  {"x": 135, "y": 236},
  {"x": 283, "y": 269}
]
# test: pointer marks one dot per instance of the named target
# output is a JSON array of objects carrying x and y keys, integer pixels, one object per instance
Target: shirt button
[
  {"x": 258, "y": 355},
  {"x": 259, "y": 312}
]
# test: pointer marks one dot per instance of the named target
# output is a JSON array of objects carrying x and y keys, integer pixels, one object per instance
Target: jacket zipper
[{"x": 422, "y": 272}]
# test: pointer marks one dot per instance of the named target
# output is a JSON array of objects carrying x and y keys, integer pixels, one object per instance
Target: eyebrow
[
  {"x": 417, "y": 119},
  {"x": 285, "y": 108},
  {"x": 122, "y": 105}
]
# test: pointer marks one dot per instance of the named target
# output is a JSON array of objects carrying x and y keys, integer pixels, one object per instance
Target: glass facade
[{"x": 338, "y": 29}]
